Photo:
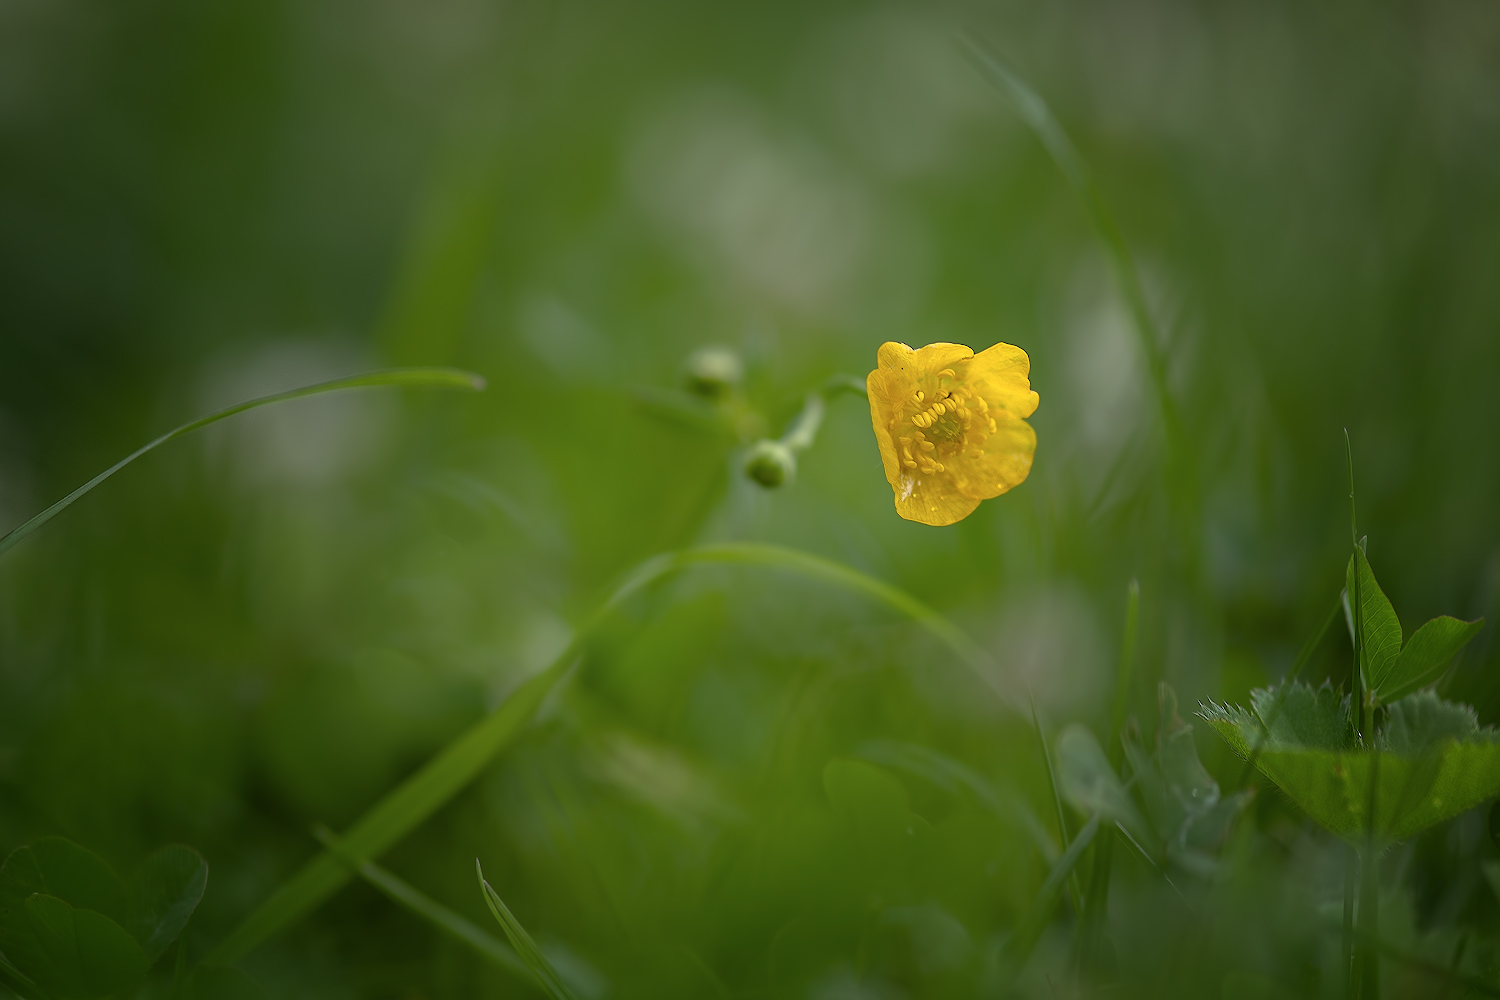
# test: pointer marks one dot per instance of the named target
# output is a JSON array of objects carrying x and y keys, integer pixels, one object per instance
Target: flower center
[{"x": 945, "y": 423}]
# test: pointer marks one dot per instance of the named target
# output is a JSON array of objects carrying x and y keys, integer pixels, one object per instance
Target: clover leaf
[
  {"x": 1391, "y": 671},
  {"x": 64, "y": 914}
]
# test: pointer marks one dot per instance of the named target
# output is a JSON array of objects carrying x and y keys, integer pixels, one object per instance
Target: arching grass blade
[{"x": 424, "y": 378}]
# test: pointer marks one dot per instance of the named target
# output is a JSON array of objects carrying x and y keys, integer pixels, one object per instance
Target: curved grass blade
[
  {"x": 425, "y": 378},
  {"x": 1039, "y": 117},
  {"x": 956, "y": 639},
  {"x": 546, "y": 975},
  {"x": 429, "y": 909},
  {"x": 413, "y": 801}
]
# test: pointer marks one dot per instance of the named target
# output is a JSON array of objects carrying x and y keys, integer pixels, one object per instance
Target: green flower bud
[
  {"x": 771, "y": 464},
  {"x": 713, "y": 372}
]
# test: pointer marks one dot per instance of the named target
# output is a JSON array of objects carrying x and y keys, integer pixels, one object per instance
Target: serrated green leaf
[
  {"x": 1089, "y": 783},
  {"x": 1427, "y": 654},
  {"x": 1299, "y": 715},
  {"x": 1382, "y": 629},
  {"x": 163, "y": 894},
  {"x": 1421, "y": 723},
  {"x": 1434, "y": 763}
]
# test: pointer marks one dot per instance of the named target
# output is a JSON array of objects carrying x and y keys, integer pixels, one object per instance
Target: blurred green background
[{"x": 269, "y": 625}]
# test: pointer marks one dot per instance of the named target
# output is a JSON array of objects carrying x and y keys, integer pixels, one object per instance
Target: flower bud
[
  {"x": 771, "y": 464},
  {"x": 714, "y": 371}
]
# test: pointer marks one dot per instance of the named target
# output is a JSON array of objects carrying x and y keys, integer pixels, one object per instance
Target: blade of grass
[
  {"x": 396, "y": 815},
  {"x": 424, "y": 906},
  {"x": 428, "y": 378},
  {"x": 1075, "y": 894},
  {"x": 14, "y": 980},
  {"x": 1346, "y": 949},
  {"x": 1018, "y": 947},
  {"x": 1127, "y": 669},
  {"x": 1089, "y": 931},
  {"x": 417, "y": 798},
  {"x": 546, "y": 976},
  {"x": 1035, "y": 112}
]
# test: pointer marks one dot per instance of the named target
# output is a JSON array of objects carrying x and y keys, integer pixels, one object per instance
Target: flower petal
[
  {"x": 934, "y": 358},
  {"x": 892, "y": 355},
  {"x": 888, "y": 389},
  {"x": 1000, "y": 375},
  {"x": 1006, "y": 460},
  {"x": 931, "y": 499}
]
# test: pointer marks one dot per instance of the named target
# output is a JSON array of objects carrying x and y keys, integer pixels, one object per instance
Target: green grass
[{"x": 711, "y": 739}]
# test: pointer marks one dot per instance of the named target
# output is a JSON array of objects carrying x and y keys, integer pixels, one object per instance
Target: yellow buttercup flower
[{"x": 951, "y": 426}]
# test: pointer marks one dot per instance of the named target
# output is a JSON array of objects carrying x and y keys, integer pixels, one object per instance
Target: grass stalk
[
  {"x": 1351, "y": 875},
  {"x": 1090, "y": 928},
  {"x": 1035, "y": 112},
  {"x": 398, "y": 890},
  {"x": 1019, "y": 946},
  {"x": 417, "y": 798},
  {"x": 426, "y": 378},
  {"x": 1075, "y": 893},
  {"x": 542, "y": 970}
]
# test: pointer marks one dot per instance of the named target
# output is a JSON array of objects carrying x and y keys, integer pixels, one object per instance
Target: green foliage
[
  {"x": 1189, "y": 815},
  {"x": 1433, "y": 760},
  {"x": 285, "y": 620},
  {"x": 62, "y": 909},
  {"x": 1185, "y": 818},
  {"x": 163, "y": 893},
  {"x": 216, "y": 982},
  {"x": 1391, "y": 671}
]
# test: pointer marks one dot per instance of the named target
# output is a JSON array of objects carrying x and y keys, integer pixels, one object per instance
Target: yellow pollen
[
  {"x": 909, "y": 464},
  {"x": 928, "y": 445},
  {"x": 948, "y": 372},
  {"x": 921, "y": 395},
  {"x": 938, "y": 409}
]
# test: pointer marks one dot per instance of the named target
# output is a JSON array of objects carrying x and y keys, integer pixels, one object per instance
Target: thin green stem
[{"x": 1357, "y": 612}]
